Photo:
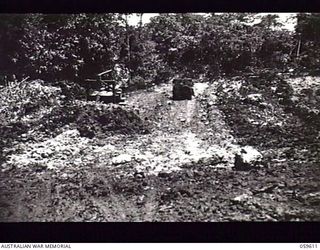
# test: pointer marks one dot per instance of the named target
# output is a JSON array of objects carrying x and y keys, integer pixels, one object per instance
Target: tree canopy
[{"x": 75, "y": 46}]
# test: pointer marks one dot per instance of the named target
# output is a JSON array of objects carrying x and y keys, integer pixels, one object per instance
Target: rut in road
[{"x": 179, "y": 137}]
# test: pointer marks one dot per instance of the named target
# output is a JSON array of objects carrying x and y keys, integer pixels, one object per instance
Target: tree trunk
[
  {"x": 129, "y": 48},
  {"x": 140, "y": 25},
  {"x": 299, "y": 47}
]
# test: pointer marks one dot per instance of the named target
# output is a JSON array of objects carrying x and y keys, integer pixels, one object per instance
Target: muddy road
[{"x": 180, "y": 171}]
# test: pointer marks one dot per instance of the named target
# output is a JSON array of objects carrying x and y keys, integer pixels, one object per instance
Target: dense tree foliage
[
  {"x": 77, "y": 46},
  {"x": 70, "y": 46},
  {"x": 11, "y": 27},
  {"x": 308, "y": 37},
  {"x": 220, "y": 43}
]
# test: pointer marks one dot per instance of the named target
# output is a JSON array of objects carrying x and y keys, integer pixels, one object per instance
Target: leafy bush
[
  {"x": 138, "y": 83},
  {"x": 20, "y": 99}
]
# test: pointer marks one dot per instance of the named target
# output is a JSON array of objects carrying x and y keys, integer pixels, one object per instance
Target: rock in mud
[
  {"x": 139, "y": 175},
  {"x": 312, "y": 198},
  {"x": 253, "y": 98},
  {"x": 183, "y": 120},
  {"x": 241, "y": 198},
  {"x": 210, "y": 103},
  {"x": 247, "y": 158},
  {"x": 124, "y": 158},
  {"x": 163, "y": 174}
]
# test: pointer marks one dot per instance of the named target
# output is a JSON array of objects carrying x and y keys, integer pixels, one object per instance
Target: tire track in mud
[
  {"x": 184, "y": 139},
  {"x": 179, "y": 117},
  {"x": 150, "y": 207},
  {"x": 179, "y": 136},
  {"x": 187, "y": 135}
]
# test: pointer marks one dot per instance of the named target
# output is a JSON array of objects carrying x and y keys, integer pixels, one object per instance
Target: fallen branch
[{"x": 24, "y": 80}]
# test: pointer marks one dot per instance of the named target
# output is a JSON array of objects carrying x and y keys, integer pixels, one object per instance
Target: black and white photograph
[{"x": 160, "y": 117}]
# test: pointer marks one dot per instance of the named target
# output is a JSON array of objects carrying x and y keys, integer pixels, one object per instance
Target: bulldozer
[
  {"x": 182, "y": 89},
  {"x": 105, "y": 89}
]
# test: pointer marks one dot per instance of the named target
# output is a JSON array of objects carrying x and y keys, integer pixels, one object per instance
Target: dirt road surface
[{"x": 180, "y": 171}]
